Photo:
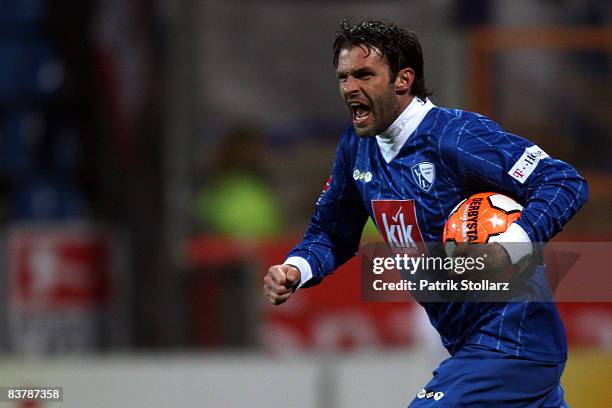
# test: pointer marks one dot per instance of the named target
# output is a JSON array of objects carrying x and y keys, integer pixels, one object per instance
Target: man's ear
[{"x": 404, "y": 80}]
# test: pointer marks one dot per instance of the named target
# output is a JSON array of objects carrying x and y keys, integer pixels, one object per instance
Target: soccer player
[{"x": 406, "y": 163}]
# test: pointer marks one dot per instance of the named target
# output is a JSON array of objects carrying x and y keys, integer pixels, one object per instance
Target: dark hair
[{"x": 399, "y": 46}]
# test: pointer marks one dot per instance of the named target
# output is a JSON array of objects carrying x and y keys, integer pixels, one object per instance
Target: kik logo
[
  {"x": 397, "y": 231},
  {"x": 396, "y": 220}
]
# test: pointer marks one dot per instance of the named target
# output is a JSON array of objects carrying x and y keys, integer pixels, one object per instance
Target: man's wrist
[
  {"x": 301, "y": 265},
  {"x": 515, "y": 241}
]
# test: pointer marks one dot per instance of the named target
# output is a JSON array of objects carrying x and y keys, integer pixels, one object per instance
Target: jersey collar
[{"x": 393, "y": 138}]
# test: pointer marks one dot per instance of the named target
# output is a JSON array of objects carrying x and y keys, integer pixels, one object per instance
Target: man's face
[{"x": 367, "y": 90}]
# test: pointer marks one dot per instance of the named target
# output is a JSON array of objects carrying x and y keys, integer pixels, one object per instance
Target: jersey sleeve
[
  {"x": 334, "y": 231},
  {"x": 485, "y": 156}
]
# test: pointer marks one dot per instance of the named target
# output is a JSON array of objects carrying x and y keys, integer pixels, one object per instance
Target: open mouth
[{"x": 360, "y": 113}]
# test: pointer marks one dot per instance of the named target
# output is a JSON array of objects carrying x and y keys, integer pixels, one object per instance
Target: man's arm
[
  {"x": 333, "y": 235},
  {"x": 487, "y": 157}
]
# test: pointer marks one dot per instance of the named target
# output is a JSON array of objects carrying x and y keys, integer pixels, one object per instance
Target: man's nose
[{"x": 350, "y": 86}]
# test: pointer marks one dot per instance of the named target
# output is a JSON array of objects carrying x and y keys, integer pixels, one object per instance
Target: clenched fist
[{"x": 280, "y": 282}]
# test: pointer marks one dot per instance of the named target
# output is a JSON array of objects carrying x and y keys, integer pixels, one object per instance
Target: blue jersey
[{"x": 409, "y": 189}]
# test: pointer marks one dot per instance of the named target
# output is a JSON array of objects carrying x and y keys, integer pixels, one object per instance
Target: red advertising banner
[
  {"x": 333, "y": 315},
  {"x": 66, "y": 283}
]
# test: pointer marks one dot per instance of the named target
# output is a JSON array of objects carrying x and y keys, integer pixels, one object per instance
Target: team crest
[{"x": 424, "y": 174}]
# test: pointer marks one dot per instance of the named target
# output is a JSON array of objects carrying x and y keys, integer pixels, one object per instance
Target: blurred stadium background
[{"x": 157, "y": 156}]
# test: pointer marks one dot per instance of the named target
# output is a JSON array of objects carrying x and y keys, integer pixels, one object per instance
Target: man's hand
[
  {"x": 494, "y": 257},
  {"x": 280, "y": 282}
]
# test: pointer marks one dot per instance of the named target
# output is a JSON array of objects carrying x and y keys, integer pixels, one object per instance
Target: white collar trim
[{"x": 394, "y": 137}]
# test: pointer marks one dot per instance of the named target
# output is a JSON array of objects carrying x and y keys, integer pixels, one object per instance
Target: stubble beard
[{"x": 385, "y": 111}]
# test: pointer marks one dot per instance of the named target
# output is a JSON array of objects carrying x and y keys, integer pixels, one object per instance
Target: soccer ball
[{"x": 478, "y": 218}]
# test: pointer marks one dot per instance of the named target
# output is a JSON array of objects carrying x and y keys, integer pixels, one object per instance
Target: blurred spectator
[{"x": 238, "y": 200}]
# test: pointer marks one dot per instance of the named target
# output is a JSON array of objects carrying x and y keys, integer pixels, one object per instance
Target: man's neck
[{"x": 393, "y": 138}]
